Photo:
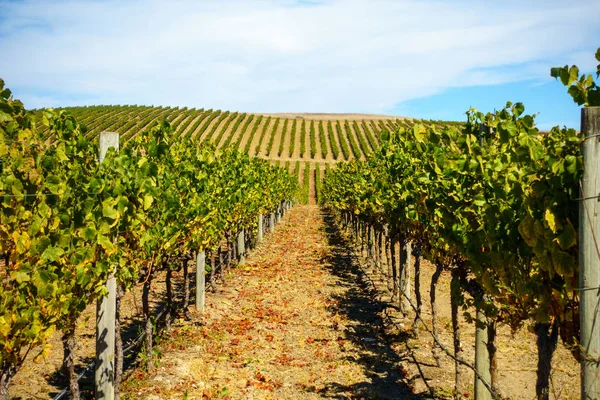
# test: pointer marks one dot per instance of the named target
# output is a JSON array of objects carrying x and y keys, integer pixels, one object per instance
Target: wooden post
[
  {"x": 482, "y": 357},
  {"x": 272, "y": 223},
  {"x": 589, "y": 259},
  {"x": 260, "y": 228},
  {"x": 200, "y": 281},
  {"x": 241, "y": 246},
  {"x": 405, "y": 277},
  {"x": 278, "y": 213},
  {"x": 106, "y": 307}
]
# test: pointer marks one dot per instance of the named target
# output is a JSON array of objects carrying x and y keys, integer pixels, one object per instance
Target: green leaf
[
  {"x": 89, "y": 233},
  {"x": 106, "y": 244},
  {"x": 148, "y": 200},
  {"x": 564, "y": 263},
  {"x": 109, "y": 212},
  {"x": 479, "y": 200},
  {"x": 568, "y": 236},
  {"x": 573, "y": 75},
  {"x": 551, "y": 220},
  {"x": 52, "y": 253},
  {"x": 527, "y": 231},
  {"x": 518, "y": 109}
]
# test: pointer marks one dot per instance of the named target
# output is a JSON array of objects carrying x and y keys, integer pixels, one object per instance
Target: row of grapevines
[
  {"x": 68, "y": 222},
  {"x": 306, "y": 183},
  {"x": 323, "y": 140},
  {"x": 132, "y": 121},
  {"x": 292, "y": 140},
  {"x": 353, "y": 144},
  {"x": 252, "y": 133},
  {"x": 204, "y": 123},
  {"x": 193, "y": 116},
  {"x": 303, "y": 138},
  {"x": 243, "y": 131},
  {"x": 263, "y": 132},
  {"x": 342, "y": 139},
  {"x": 362, "y": 141},
  {"x": 229, "y": 118},
  {"x": 334, "y": 147},
  {"x": 313, "y": 140},
  {"x": 234, "y": 129},
  {"x": 370, "y": 137},
  {"x": 493, "y": 204},
  {"x": 185, "y": 114},
  {"x": 219, "y": 116},
  {"x": 109, "y": 122},
  {"x": 273, "y": 133},
  {"x": 118, "y": 124},
  {"x": 160, "y": 113}
]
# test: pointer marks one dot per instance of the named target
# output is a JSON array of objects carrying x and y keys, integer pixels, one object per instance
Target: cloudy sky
[{"x": 418, "y": 58}]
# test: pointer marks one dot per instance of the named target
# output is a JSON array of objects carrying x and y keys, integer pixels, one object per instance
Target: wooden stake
[
  {"x": 241, "y": 247},
  {"x": 200, "y": 281},
  {"x": 260, "y": 228}
]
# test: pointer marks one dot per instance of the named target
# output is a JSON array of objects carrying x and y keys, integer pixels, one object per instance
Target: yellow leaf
[{"x": 551, "y": 220}]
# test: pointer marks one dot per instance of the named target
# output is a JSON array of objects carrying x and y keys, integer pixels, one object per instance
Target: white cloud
[{"x": 261, "y": 55}]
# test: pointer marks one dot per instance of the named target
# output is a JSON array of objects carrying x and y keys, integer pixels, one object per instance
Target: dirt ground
[{"x": 304, "y": 319}]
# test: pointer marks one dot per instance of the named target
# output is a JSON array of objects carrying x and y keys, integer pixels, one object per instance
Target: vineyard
[
  {"x": 315, "y": 141},
  {"x": 426, "y": 259}
]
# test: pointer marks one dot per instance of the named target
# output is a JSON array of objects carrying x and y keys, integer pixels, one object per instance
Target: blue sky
[{"x": 416, "y": 58}]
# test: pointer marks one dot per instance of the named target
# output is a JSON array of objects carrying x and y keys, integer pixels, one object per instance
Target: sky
[{"x": 415, "y": 58}]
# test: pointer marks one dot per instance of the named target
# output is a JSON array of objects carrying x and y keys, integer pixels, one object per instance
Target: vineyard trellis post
[
  {"x": 260, "y": 228},
  {"x": 104, "y": 369},
  {"x": 272, "y": 222},
  {"x": 482, "y": 356},
  {"x": 241, "y": 248},
  {"x": 589, "y": 255},
  {"x": 201, "y": 281}
]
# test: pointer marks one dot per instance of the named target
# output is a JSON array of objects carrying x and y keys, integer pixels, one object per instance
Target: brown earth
[{"x": 304, "y": 319}]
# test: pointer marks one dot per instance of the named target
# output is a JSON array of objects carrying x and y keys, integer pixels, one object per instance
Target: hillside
[{"x": 304, "y": 143}]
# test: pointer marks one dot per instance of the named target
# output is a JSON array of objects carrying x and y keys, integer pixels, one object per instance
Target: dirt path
[
  {"x": 304, "y": 319},
  {"x": 293, "y": 323}
]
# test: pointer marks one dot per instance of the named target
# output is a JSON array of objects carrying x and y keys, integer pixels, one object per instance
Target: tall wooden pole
[
  {"x": 482, "y": 356},
  {"x": 104, "y": 368},
  {"x": 589, "y": 257}
]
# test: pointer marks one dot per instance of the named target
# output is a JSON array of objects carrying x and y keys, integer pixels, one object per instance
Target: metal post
[
  {"x": 104, "y": 369},
  {"x": 589, "y": 259},
  {"x": 200, "y": 281}
]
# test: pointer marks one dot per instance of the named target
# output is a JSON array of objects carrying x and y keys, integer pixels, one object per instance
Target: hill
[{"x": 304, "y": 143}]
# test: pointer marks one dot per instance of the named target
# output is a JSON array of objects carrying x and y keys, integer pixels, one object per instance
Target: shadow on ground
[{"x": 359, "y": 304}]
